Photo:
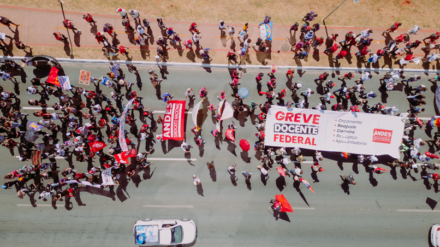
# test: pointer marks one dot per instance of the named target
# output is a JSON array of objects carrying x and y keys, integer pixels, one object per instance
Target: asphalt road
[{"x": 392, "y": 209}]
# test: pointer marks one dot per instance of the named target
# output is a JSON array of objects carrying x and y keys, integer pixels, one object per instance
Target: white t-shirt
[
  {"x": 263, "y": 171},
  {"x": 140, "y": 29},
  {"x": 220, "y": 24},
  {"x": 134, "y": 13},
  {"x": 365, "y": 76},
  {"x": 184, "y": 146},
  {"x": 417, "y": 142},
  {"x": 123, "y": 12}
]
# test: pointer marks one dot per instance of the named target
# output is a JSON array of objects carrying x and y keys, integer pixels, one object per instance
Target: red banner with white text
[{"x": 173, "y": 120}]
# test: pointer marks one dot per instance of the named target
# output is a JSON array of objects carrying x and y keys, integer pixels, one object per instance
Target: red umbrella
[
  {"x": 285, "y": 205},
  {"x": 244, "y": 144},
  {"x": 281, "y": 171}
]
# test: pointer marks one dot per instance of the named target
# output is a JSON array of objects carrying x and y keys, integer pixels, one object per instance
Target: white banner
[
  {"x": 122, "y": 142},
  {"x": 195, "y": 112},
  {"x": 226, "y": 111},
  {"x": 65, "y": 82},
  {"x": 107, "y": 177},
  {"x": 359, "y": 133}
]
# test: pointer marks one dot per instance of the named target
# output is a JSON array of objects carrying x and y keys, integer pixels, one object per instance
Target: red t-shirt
[
  {"x": 364, "y": 51},
  {"x": 334, "y": 48},
  {"x": 88, "y": 17},
  {"x": 323, "y": 76},
  {"x": 435, "y": 176},
  {"x": 122, "y": 49}
]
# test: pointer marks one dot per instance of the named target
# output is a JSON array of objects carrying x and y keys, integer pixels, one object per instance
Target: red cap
[
  {"x": 343, "y": 53},
  {"x": 170, "y": 28},
  {"x": 332, "y": 96},
  {"x": 383, "y": 106},
  {"x": 119, "y": 10},
  {"x": 107, "y": 109}
]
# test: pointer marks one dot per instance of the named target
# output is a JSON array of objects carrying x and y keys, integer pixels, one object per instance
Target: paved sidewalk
[{"x": 37, "y": 25}]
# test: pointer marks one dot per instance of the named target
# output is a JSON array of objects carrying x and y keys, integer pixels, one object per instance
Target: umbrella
[
  {"x": 281, "y": 171},
  {"x": 307, "y": 184},
  {"x": 284, "y": 203},
  {"x": 244, "y": 144},
  {"x": 243, "y": 93}
]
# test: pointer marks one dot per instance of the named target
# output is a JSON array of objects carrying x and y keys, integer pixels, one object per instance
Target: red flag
[
  {"x": 98, "y": 145},
  {"x": 284, "y": 203},
  {"x": 230, "y": 134},
  {"x": 53, "y": 77},
  {"x": 131, "y": 153},
  {"x": 281, "y": 171},
  {"x": 122, "y": 158}
]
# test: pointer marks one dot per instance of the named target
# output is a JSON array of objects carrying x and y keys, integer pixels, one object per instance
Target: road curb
[{"x": 229, "y": 66}]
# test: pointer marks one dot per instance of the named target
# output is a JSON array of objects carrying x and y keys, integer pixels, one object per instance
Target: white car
[
  {"x": 435, "y": 235},
  {"x": 164, "y": 232}
]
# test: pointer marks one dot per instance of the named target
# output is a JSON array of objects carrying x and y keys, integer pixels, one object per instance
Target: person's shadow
[
  {"x": 233, "y": 179},
  {"x": 200, "y": 189},
  {"x": 345, "y": 188},
  {"x": 281, "y": 183},
  {"x": 264, "y": 178},
  {"x": 373, "y": 181}
]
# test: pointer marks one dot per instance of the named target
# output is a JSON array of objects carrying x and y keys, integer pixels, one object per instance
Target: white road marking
[
  {"x": 57, "y": 157},
  {"x": 418, "y": 210},
  {"x": 36, "y": 108},
  {"x": 168, "y": 206},
  {"x": 303, "y": 208},
  {"x": 171, "y": 159},
  {"x": 421, "y": 118},
  {"x": 30, "y": 205},
  {"x": 188, "y": 112}
]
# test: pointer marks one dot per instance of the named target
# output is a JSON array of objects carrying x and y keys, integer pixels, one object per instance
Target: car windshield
[{"x": 176, "y": 235}]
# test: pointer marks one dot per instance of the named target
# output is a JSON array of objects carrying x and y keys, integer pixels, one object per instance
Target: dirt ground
[{"x": 365, "y": 13}]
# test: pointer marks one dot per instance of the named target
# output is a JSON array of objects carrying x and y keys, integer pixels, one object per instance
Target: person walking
[
  {"x": 185, "y": 147},
  {"x": 135, "y": 14},
  {"x": 348, "y": 179},
  {"x": 122, "y": 12},
  {"x": 5, "y": 21},
  {"x": 60, "y": 37},
  {"x": 88, "y": 17},
  {"x": 247, "y": 175},
  {"x": 69, "y": 25},
  {"x": 196, "y": 180}
]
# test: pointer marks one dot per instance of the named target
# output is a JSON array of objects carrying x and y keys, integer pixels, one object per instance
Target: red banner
[
  {"x": 53, "y": 77},
  {"x": 97, "y": 145},
  {"x": 173, "y": 120}
]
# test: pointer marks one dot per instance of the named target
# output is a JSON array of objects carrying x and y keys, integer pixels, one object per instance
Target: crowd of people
[{"x": 85, "y": 118}]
